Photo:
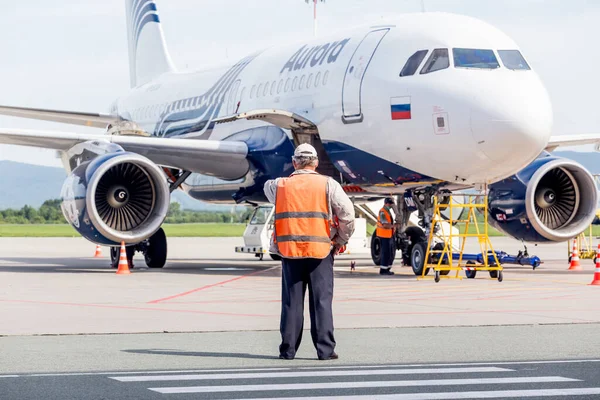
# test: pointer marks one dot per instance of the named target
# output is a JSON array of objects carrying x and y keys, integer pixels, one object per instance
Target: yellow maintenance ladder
[{"x": 441, "y": 256}]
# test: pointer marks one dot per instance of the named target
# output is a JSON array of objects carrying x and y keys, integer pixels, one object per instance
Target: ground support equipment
[{"x": 443, "y": 259}]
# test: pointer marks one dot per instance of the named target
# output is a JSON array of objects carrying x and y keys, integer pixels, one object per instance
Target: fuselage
[{"x": 472, "y": 110}]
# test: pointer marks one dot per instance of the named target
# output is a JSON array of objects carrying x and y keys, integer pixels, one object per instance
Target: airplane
[{"x": 414, "y": 106}]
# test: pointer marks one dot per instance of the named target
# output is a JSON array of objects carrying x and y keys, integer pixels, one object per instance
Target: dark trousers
[
  {"x": 387, "y": 254},
  {"x": 297, "y": 275}
]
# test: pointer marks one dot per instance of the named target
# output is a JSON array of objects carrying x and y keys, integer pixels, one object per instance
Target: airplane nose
[{"x": 513, "y": 123}]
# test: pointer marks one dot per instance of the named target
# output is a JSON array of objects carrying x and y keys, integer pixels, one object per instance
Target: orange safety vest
[
  {"x": 381, "y": 231},
  {"x": 302, "y": 225}
]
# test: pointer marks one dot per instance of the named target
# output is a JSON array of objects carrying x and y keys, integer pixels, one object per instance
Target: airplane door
[{"x": 351, "y": 92}]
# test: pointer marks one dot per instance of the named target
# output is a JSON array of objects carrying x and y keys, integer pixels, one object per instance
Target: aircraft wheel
[
  {"x": 375, "y": 249},
  {"x": 156, "y": 251},
  {"x": 417, "y": 258}
]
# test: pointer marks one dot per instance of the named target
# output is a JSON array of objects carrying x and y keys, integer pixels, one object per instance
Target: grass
[{"x": 172, "y": 230}]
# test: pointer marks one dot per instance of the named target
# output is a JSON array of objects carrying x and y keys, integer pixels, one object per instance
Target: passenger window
[
  {"x": 243, "y": 93},
  {"x": 295, "y": 84},
  {"x": 302, "y": 80},
  {"x": 413, "y": 63},
  {"x": 475, "y": 58},
  {"x": 325, "y": 78},
  {"x": 310, "y": 81},
  {"x": 437, "y": 61},
  {"x": 280, "y": 86},
  {"x": 317, "y": 79},
  {"x": 513, "y": 59}
]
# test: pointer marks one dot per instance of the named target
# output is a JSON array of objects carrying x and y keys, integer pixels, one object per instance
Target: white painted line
[
  {"x": 458, "y": 364},
  {"x": 9, "y": 376},
  {"x": 357, "y": 385},
  {"x": 341, "y": 367},
  {"x": 156, "y": 372},
  {"x": 299, "y": 374},
  {"x": 497, "y": 394}
]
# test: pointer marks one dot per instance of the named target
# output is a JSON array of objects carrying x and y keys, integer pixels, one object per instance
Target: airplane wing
[
  {"x": 223, "y": 159},
  {"x": 65, "y": 117},
  {"x": 573, "y": 140}
]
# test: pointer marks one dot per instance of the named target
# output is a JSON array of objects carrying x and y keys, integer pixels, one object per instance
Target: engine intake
[
  {"x": 116, "y": 197},
  {"x": 553, "y": 199}
]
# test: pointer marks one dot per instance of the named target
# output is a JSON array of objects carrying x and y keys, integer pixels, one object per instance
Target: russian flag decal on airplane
[{"x": 400, "y": 108}]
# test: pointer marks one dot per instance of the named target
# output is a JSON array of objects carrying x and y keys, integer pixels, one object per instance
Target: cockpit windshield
[
  {"x": 475, "y": 58},
  {"x": 512, "y": 59}
]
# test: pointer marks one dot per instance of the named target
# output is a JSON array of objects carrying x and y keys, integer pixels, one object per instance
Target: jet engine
[
  {"x": 116, "y": 197},
  {"x": 552, "y": 199}
]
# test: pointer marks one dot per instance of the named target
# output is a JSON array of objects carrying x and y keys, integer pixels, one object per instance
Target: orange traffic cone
[
  {"x": 575, "y": 264},
  {"x": 123, "y": 265},
  {"x": 596, "y": 280},
  {"x": 98, "y": 252}
]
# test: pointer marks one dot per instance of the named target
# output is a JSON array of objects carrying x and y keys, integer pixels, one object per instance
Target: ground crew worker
[
  {"x": 306, "y": 203},
  {"x": 385, "y": 233}
]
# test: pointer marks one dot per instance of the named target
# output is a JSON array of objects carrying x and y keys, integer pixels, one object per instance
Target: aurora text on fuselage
[{"x": 313, "y": 56}]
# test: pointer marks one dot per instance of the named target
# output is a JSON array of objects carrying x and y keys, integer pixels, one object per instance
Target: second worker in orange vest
[
  {"x": 306, "y": 203},
  {"x": 385, "y": 233}
]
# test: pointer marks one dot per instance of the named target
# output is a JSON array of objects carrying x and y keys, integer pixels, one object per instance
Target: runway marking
[
  {"x": 152, "y": 372},
  {"x": 341, "y": 367},
  {"x": 464, "y": 312},
  {"x": 496, "y": 394},
  {"x": 359, "y": 385},
  {"x": 209, "y": 286},
  {"x": 9, "y": 376},
  {"x": 464, "y": 364},
  {"x": 298, "y": 374}
]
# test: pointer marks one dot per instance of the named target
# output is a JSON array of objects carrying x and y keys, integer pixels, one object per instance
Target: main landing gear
[
  {"x": 411, "y": 240},
  {"x": 154, "y": 249}
]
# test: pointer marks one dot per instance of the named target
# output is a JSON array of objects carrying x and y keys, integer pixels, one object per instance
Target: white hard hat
[{"x": 305, "y": 150}]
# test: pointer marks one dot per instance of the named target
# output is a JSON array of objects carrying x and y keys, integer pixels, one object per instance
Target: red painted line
[
  {"x": 207, "y": 287},
  {"x": 56, "y": 303},
  {"x": 458, "y": 312}
]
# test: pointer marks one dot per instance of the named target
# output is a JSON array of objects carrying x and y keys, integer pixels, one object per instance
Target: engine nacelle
[
  {"x": 552, "y": 199},
  {"x": 116, "y": 197}
]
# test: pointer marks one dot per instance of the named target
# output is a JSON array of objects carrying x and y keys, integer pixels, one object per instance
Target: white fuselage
[{"x": 495, "y": 121}]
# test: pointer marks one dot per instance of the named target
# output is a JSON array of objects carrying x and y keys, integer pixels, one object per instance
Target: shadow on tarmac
[{"x": 204, "y": 354}]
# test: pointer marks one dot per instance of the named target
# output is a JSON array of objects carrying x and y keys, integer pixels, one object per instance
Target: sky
[{"x": 72, "y": 54}]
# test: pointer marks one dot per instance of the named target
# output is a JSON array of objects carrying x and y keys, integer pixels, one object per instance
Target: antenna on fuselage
[{"x": 315, "y": 13}]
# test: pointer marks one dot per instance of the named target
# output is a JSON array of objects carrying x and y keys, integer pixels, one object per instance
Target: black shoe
[
  {"x": 282, "y": 357},
  {"x": 333, "y": 356},
  {"x": 383, "y": 271}
]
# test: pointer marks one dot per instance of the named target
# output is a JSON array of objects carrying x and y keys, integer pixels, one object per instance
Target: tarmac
[
  {"x": 65, "y": 312},
  {"x": 55, "y": 286}
]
